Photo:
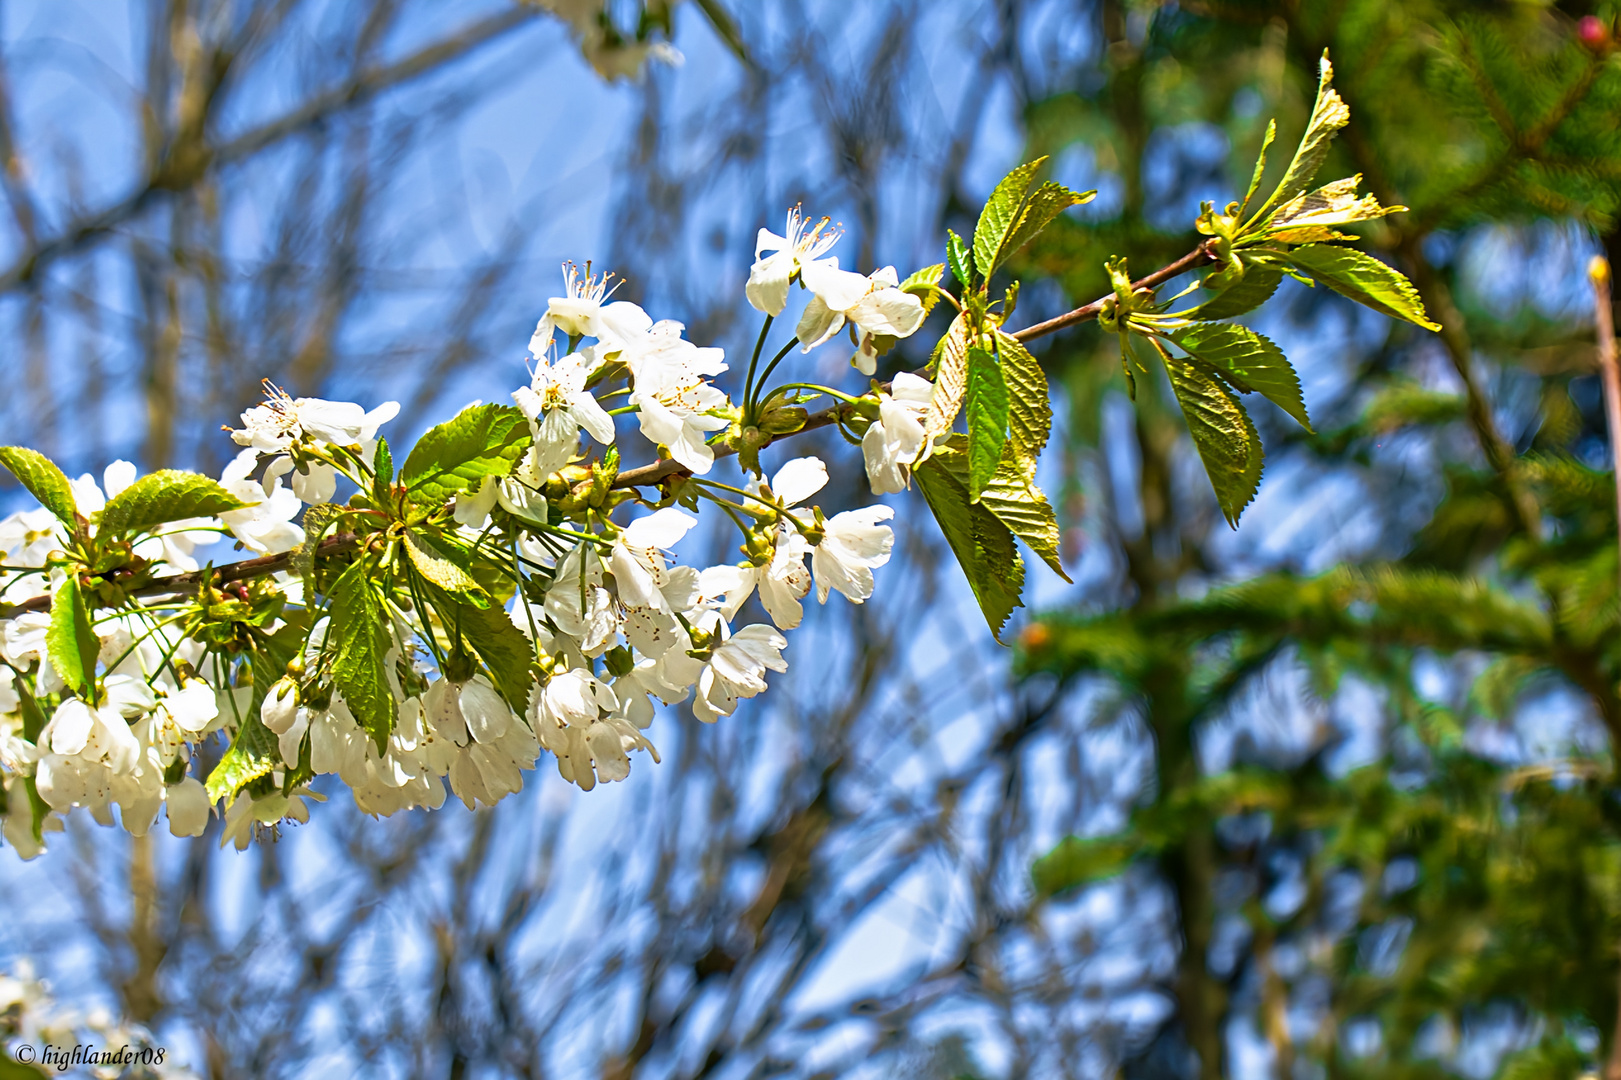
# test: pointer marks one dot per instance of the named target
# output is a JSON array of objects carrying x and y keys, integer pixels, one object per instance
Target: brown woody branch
[{"x": 654, "y": 473}]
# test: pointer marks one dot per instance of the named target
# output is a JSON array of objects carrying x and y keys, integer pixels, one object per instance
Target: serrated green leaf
[
  {"x": 1330, "y": 205},
  {"x": 1030, "y": 413},
  {"x": 1222, "y": 433},
  {"x": 1248, "y": 362},
  {"x": 1260, "y": 166},
  {"x": 316, "y": 521},
  {"x": 44, "y": 481},
  {"x": 430, "y": 561},
  {"x": 950, "y": 381},
  {"x": 382, "y": 467},
  {"x": 1248, "y": 293},
  {"x": 960, "y": 258},
  {"x": 480, "y": 441},
  {"x": 1078, "y": 861},
  {"x": 360, "y": 641},
  {"x": 1000, "y": 212},
  {"x": 982, "y": 544},
  {"x": 987, "y": 419},
  {"x": 255, "y": 752},
  {"x": 1045, "y": 203},
  {"x": 1364, "y": 279},
  {"x": 925, "y": 285},
  {"x": 1013, "y": 498},
  {"x": 70, "y": 640},
  {"x": 164, "y": 496},
  {"x": 505, "y": 650},
  {"x": 1328, "y": 115}
]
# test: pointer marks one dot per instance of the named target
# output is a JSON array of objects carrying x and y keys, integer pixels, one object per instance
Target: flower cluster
[{"x": 505, "y": 592}]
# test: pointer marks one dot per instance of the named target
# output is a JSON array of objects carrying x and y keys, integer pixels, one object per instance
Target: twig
[
  {"x": 1598, "y": 272},
  {"x": 653, "y": 473}
]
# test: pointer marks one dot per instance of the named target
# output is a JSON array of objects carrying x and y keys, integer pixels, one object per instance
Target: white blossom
[
  {"x": 893, "y": 441},
  {"x": 558, "y": 406},
  {"x": 802, "y": 244},
  {"x": 852, "y": 546},
  {"x": 875, "y": 305}
]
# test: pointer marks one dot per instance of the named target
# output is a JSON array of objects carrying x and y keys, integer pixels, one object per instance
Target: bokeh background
[{"x": 1329, "y": 795}]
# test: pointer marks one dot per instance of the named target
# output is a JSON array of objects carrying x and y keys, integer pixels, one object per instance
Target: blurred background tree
[{"x": 1332, "y": 794}]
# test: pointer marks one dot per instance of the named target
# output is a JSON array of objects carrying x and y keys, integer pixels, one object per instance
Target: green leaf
[
  {"x": 1012, "y": 497},
  {"x": 1046, "y": 203},
  {"x": 997, "y": 218},
  {"x": 360, "y": 642},
  {"x": 1260, "y": 166},
  {"x": 1222, "y": 432},
  {"x": 950, "y": 380},
  {"x": 1077, "y": 861},
  {"x": 70, "y": 641},
  {"x": 1248, "y": 362},
  {"x": 987, "y": 419},
  {"x": 1328, "y": 115},
  {"x": 44, "y": 481},
  {"x": 1030, "y": 413},
  {"x": 960, "y": 258},
  {"x": 254, "y": 752},
  {"x": 1246, "y": 294},
  {"x": 164, "y": 496},
  {"x": 505, "y": 650},
  {"x": 480, "y": 441},
  {"x": 38, "y": 808},
  {"x": 982, "y": 544},
  {"x": 382, "y": 467},
  {"x": 925, "y": 285},
  {"x": 430, "y": 561},
  {"x": 33, "y": 715},
  {"x": 1364, "y": 279}
]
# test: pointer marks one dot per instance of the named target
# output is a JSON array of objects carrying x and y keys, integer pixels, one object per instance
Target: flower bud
[
  {"x": 1592, "y": 32},
  {"x": 280, "y": 705}
]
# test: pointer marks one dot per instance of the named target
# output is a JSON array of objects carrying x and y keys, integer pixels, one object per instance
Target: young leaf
[
  {"x": 1000, "y": 212},
  {"x": 71, "y": 641},
  {"x": 44, "y": 481},
  {"x": 480, "y": 441},
  {"x": 1246, "y": 294},
  {"x": 924, "y": 284},
  {"x": 505, "y": 650},
  {"x": 1046, "y": 203},
  {"x": 382, "y": 467},
  {"x": 950, "y": 382},
  {"x": 1328, "y": 115},
  {"x": 1030, "y": 414},
  {"x": 1248, "y": 362},
  {"x": 164, "y": 496},
  {"x": 1330, "y": 205},
  {"x": 1223, "y": 434},
  {"x": 1364, "y": 279},
  {"x": 982, "y": 544},
  {"x": 987, "y": 419},
  {"x": 431, "y": 563},
  {"x": 960, "y": 258},
  {"x": 1260, "y": 166},
  {"x": 362, "y": 641}
]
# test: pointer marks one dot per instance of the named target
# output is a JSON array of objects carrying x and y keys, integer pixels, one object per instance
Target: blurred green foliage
[{"x": 1435, "y": 888}]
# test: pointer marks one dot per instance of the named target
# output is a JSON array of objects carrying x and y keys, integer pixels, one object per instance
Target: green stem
[
  {"x": 769, "y": 368},
  {"x": 828, "y": 390},
  {"x": 754, "y": 360},
  {"x": 621, "y": 411}
]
